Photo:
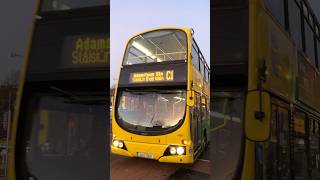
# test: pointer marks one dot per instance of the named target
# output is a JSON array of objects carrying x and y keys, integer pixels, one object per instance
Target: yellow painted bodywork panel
[
  {"x": 156, "y": 150},
  {"x": 268, "y": 43},
  {"x": 155, "y": 145},
  {"x": 275, "y": 47},
  {"x": 249, "y": 162},
  {"x": 257, "y": 129},
  {"x": 185, "y": 159},
  {"x": 248, "y": 172},
  {"x": 308, "y": 83}
]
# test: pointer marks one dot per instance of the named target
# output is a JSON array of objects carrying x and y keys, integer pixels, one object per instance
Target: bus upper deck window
[{"x": 156, "y": 46}]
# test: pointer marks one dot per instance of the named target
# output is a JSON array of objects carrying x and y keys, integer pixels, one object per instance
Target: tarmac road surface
[{"x": 127, "y": 168}]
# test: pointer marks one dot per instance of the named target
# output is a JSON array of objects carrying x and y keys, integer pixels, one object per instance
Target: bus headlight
[
  {"x": 119, "y": 144},
  {"x": 173, "y": 150},
  {"x": 180, "y": 150},
  {"x": 115, "y": 143}
]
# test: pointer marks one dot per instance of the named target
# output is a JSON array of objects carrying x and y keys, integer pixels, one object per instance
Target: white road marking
[{"x": 205, "y": 160}]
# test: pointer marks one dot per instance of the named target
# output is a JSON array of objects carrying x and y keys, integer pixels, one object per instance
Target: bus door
[
  {"x": 203, "y": 108},
  {"x": 299, "y": 145},
  {"x": 62, "y": 135},
  {"x": 199, "y": 120},
  {"x": 277, "y": 149},
  {"x": 196, "y": 122},
  {"x": 314, "y": 145}
]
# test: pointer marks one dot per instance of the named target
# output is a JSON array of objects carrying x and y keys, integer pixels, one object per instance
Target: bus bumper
[
  {"x": 184, "y": 159},
  {"x": 119, "y": 151}
]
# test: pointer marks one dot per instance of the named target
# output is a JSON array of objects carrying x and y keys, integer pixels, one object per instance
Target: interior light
[
  {"x": 164, "y": 99},
  {"x": 179, "y": 98},
  {"x": 145, "y": 50}
]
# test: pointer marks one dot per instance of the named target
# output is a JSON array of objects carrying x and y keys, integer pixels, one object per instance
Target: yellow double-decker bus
[
  {"x": 266, "y": 98},
  {"x": 161, "y": 104},
  {"x": 59, "y": 129}
]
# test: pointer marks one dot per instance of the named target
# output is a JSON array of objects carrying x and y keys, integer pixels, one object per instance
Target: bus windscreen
[{"x": 145, "y": 111}]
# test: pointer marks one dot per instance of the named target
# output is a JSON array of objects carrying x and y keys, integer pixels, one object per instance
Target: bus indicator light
[{"x": 185, "y": 142}]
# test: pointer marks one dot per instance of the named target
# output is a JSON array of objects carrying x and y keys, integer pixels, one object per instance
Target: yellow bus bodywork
[{"x": 157, "y": 145}]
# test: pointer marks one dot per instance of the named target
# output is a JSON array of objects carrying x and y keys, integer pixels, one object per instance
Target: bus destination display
[
  {"x": 154, "y": 76},
  {"x": 85, "y": 51}
]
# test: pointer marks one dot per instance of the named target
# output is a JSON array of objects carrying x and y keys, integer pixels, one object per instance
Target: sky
[
  {"x": 129, "y": 17},
  {"x": 15, "y": 20},
  {"x": 16, "y": 17}
]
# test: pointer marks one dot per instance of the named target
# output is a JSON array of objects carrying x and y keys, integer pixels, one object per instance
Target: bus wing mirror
[
  {"x": 258, "y": 115},
  {"x": 190, "y": 98}
]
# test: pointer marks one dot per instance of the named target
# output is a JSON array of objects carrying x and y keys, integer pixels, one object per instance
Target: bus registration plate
[{"x": 145, "y": 155}]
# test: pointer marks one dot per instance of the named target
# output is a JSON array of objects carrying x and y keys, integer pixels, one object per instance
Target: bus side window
[
  {"x": 205, "y": 73},
  {"x": 300, "y": 158},
  {"x": 195, "y": 58},
  {"x": 201, "y": 67},
  {"x": 278, "y": 144},
  {"x": 295, "y": 23},
  {"x": 276, "y": 7},
  {"x": 314, "y": 147},
  {"x": 309, "y": 42}
]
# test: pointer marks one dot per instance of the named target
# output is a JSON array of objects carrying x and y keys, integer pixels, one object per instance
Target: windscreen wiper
[
  {"x": 153, "y": 117},
  {"x": 63, "y": 92}
]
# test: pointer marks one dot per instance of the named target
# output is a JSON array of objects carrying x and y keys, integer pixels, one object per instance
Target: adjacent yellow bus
[
  {"x": 59, "y": 129},
  {"x": 266, "y": 98},
  {"x": 161, "y": 104}
]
